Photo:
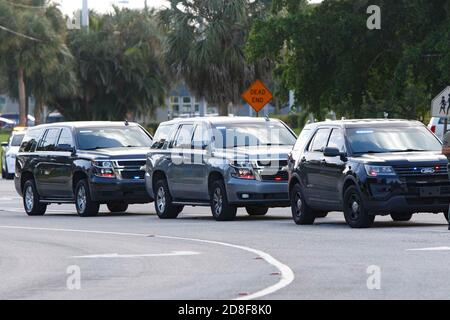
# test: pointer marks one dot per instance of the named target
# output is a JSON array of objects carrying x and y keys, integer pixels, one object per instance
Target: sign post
[
  {"x": 440, "y": 107},
  {"x": 257, "y": 96}
]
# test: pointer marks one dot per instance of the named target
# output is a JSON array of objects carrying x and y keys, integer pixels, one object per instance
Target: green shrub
[{"x": 152, "y": 127}]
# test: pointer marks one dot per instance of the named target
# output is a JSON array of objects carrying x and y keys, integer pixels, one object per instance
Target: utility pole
[{"x": 85, "y": 15}]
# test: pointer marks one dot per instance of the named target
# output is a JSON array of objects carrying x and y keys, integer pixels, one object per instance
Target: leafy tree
[
  {"x": 119, "y": 67},
  {"x": 32, "y": 36},
  {"x": 205, "y": 47},
  {"x": 334, "y": 62}
]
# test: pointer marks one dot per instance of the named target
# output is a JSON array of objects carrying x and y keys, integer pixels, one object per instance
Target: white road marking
[
  {"x": 286, "y": 273},
  {"x": 431, "y": 249},
  {"x": 131, "y": 256}
]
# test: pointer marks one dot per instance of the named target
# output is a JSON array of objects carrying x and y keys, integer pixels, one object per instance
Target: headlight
[
  {"x": 242, "y": 171},
  {"x": 375, "y": 171},
  {"x": 104, "y": 169},
  {"x": 11, "y": 155}
]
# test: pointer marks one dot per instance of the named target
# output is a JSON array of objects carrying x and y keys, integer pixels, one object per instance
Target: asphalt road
[{"x": 138, "y": 256}]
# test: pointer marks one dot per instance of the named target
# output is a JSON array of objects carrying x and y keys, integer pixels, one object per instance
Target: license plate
[{"x": 427, "y": 192}]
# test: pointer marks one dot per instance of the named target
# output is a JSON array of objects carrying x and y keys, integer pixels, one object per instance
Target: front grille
[
  {"x": 131, "y": 163},
  {"x": 414, "y": 171},
  {"x": 133, "y": 175},
  {"x": 272, "y": 163},
  {"x": 131, "y": 169}
]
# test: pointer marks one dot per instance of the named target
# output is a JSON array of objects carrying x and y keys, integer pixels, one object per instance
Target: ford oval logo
[{"x": 428, "y": 170}]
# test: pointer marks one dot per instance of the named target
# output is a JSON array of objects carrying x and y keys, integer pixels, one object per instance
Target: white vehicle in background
[
  {"x": 436, "y": 126},
  {"x": 9, "y": 153}
]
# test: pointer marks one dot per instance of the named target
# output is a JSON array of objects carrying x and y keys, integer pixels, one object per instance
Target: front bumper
[
  {"x": 260, "y": 193},
  {"x": 107, "y": 190},
  {"x": 386, "y": 196}
]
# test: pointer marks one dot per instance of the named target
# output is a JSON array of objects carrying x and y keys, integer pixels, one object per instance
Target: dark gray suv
[{"x": 222, "y": 162}]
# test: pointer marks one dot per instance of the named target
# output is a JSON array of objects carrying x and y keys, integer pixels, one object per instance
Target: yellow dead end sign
[{"x": 257, "y": 96}]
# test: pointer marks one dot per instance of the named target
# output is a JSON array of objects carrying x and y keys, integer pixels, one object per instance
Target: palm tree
[
  {"x": 119, "y": 65},
  {"x": 32, "y": 36},
  {"x": 205, "y": 47}
]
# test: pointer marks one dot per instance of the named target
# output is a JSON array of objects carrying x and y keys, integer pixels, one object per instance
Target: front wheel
[
  {"x": 31, "y": 203},
  {"x": 83, "y": 202},
  {"x": 117, "y": 207},
  {"x": 257, "y": 211},
  {"x": 165, "y": 209},
  {"x": 401, "y": 217},
  {"x": 355, "y": 213},
  {"x": 301, "y": 212},
  {"x": 220, "y": 207}
]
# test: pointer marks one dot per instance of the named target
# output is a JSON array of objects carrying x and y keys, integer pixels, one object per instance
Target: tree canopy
[{"x": 333, "y": 61}]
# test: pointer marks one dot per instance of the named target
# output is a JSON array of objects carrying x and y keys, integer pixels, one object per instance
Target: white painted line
[
  {"x": 431, "y": 249},
  {"x": 286, "y": 273},
  {"x": 131, "y": 256}
]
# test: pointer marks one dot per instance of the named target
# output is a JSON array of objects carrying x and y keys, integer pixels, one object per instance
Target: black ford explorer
[
  {"x": 86, "y": 163},
  {"x": 367, "y": 168}
]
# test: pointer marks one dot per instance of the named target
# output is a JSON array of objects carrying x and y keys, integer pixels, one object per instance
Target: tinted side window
[
  {"x": 49, "y": 141},
  {"x": 320, "y": 140},
  {"x": 65, "y": 139},
  {"x": 161, "y": 136},
  {"x": 31, "y": 140},
  {"x": 201, "y": 137},
  {"x": 337, "y": 140},
  {"x": 184, "y": 136},
  {"x": 302, "y": 140}
]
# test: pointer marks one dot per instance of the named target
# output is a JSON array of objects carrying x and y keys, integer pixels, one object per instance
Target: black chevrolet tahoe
[
  {"x": 86, "y": 163},
  {"x": 367, "y": 168}
]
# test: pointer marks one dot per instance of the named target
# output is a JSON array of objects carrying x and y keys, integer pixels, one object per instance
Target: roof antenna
[{"x": 127, "y": 123}]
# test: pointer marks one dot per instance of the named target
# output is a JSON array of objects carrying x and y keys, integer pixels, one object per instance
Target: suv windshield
[
  {"x": 386, "y": 140},
  {"x": 113, "y": 137},
  {"x": 229, "y": 136}
]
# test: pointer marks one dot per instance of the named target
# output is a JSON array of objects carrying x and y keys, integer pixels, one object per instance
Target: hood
[
  {"x": 255, "y": 153},
  {"x": 409, "y": 158},
  {"x": 12, "y": 150},
  {"x": 116, "y": 153}
]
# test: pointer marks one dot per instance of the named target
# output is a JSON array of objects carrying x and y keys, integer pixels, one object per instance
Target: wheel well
[
  {"x": 158, "y": 175},
  {"x": 293, "y": 182},
  {"x": 214, "y": 176},
  {"x": 347, "y": 184},
  {"x": 77, "y": 177},
  {"x": 25, "y": 177}
]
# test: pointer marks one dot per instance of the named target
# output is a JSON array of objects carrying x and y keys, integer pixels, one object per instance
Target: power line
[
  {"x": 20, "y": 5},
  {"x": 19, "y": 34}
]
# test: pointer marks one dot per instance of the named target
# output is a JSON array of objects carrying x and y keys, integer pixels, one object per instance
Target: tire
[
  {"x": 31, "y": 200},
  {"x": 301, "y": 212},
  {"x": 83, "y": 202},
  {"x": 355, "y": 213},
  {"x": 401, "y": 217},
  {"x": 220, "y": 207},
  {"x": 6, "y": 175},
  {"x": 165, "y": 209},
  {"x": 117, "y": 207},
  {"x": 257, "y": 211},
  {"x": 321, "y": 215},
  {"x": 3, "y": 174}
]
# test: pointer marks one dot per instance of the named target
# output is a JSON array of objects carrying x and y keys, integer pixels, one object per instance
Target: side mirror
[
  {"x": 4, "y": 144},
  {"x": 331, "y": 152}
]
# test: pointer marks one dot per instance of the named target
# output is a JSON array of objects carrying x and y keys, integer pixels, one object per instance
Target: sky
[{"x": 70, "y": 6}]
